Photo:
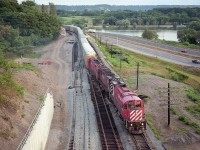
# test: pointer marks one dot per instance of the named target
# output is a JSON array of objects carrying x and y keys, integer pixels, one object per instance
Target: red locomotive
[{"x": 129, "y": 106}]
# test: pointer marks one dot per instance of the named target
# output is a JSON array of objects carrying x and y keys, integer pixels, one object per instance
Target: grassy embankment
[
  {"x": 177, "y": 44},
  {"x": 8, "y": 86},
  {"x": 157, "y": 67}
]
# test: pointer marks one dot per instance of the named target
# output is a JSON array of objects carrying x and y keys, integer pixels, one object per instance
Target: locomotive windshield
[{"x": 132, "y": 105}]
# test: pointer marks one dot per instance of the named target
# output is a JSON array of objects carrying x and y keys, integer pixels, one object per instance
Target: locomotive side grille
[
  {"x": 115, "y": 79},
  {"x": 136, "y": 115},
  {"x": 111, "y": 82},
  {"x": 111, "y": 88}
]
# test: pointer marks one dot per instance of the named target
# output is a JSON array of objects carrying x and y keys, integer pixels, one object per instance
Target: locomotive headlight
[
  {"x": 142, "y": 123},
  {"x": 131, "y": 124}
]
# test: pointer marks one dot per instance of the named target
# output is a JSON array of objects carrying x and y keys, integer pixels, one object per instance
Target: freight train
[{"x": 129, "y": 106}]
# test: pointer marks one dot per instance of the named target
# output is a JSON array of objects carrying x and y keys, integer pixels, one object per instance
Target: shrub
[
  {"x": 177, "y": 76},
  {"x": 193, "y": 95},
  {"x": 194, "y": 110},
  {"x": 189, "y": 122},
  {"x": 174, "y": 110}
]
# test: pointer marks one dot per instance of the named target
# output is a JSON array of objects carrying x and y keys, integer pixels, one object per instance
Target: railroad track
[
  {"x": 110, "y": 139},
  {"x": 142, "y": 142},
  {"x": 71, "y": 143},
  {"x": 77, "y": 67}
]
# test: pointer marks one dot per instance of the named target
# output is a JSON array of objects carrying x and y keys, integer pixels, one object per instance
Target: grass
[
  {"x": 182, "y": 130},
  {"x": 154, "y": 66},
  {"x": 33, "y": 55},
  {"x": 69, "y": 20},
  {"x": 189, "y": 122},
  {"x": 194, "y": 110},
  {"x": 173, "y": 43},
  {"x": 19, "y": 89},
  {"x": 150, "y": 119},
  {"x": 174, "y": 110},
  {"x": 193, "y": 95},
  {"x": 176, "y": 75},
  {"x": 41, "y": 98},
  {"x": 148, "y": 65},
  {"x": 26, "y": 66}
]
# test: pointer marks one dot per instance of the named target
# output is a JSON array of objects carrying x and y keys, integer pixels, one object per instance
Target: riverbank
[{"x": 168, "y": 37}]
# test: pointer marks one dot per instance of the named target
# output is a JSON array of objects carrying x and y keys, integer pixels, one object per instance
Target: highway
[{"x": 148, "y": 48}]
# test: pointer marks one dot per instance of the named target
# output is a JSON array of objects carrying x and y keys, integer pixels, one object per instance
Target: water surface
[{"x": 169, "y": 35}]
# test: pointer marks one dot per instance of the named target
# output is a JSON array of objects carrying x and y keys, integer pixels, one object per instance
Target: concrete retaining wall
[{"x": 37, "y": 134}]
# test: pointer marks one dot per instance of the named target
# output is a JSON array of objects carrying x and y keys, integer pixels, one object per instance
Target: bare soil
[
  {"x": 17, "y": 115},
  {"x": 178, "y": 135}
]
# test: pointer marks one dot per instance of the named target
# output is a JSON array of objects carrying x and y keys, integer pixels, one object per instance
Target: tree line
[
  {"x": 159, "y": 16},
  {"x": 25, "y": 25},
  {"x": 118, "y": 7},
  {"x": 129, "y": 19}
]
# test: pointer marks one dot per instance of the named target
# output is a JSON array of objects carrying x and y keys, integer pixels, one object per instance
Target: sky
[{"x": 119, "y": 2}]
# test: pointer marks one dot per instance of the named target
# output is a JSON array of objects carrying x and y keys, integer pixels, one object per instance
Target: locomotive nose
[{"x": 136, "y": 115}]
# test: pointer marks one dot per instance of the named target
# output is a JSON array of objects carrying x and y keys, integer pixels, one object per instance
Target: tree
[
  {"x": 97, "y": 21},
  {"x": 25, "y": 25},
  {"x": 126, "y": 23},
  {"x": 110, "y": 20},
  {"x": 29, "y": 3},
  {"x": 149, "y": 34},
  {"x": 9, "y": 6},
  {"x": 8, "y": 34},
  {"x": 198, "y": 37},
  {"x": 18, "y": 42},
  {"x": 187, "y": 35},
  {"x": 52, "y": 10},
  {"x": 44, "y": 8},
  {"x": 195, "y": 25},
  {"x": 119, "y": 23}
]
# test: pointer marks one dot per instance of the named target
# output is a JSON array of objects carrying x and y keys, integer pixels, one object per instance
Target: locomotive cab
[
  {"x": 129, "y": 106},
  {"x": 135, "y": 122}
]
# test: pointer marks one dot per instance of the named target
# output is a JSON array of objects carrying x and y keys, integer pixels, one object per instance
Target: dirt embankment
[{"x": 17, "y": 114}]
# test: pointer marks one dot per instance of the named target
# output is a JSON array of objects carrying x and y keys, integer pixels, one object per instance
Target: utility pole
[
  {"x": 120, "y": 65},
  {"x": 117, "y": 39},
  {"x": 168, "y": 104},
  {"x": 168, "y": 92},
  {"x": 111, "y": 50},
  {"x": 137, "y": 76}
]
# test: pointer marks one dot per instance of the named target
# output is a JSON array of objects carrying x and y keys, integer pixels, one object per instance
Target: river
[{"x": 168, "y": 35}]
